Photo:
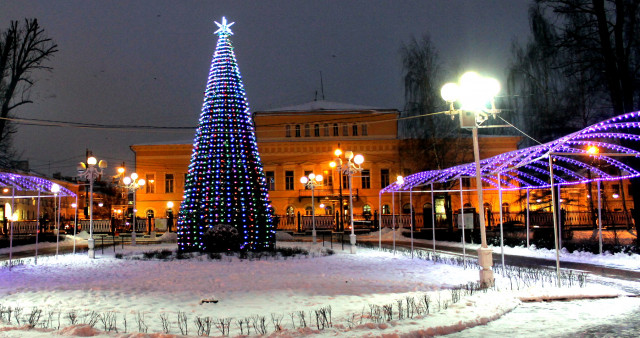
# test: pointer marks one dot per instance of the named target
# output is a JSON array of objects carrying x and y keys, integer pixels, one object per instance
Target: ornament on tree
[{"x": 225, "y": 183}]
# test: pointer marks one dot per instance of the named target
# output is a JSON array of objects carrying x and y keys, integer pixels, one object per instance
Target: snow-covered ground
[{"x": 260, "y": 289}]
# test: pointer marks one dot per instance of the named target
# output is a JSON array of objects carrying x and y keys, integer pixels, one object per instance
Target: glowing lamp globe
[
  {"x": 304, "y": 180},
  {"x": 319, "y": 178},
  {"x": 450, "y": 92},
  {"x": 358, "y": 159},
  {"x": 126, "y": 180},
  {"x": 141, "y": 182},
  {"x": 92, "y": 161}
]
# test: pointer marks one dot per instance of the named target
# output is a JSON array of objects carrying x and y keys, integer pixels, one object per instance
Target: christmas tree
[{"x": 225, "y": 183}]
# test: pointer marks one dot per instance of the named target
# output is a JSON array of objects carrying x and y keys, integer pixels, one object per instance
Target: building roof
[{"x": 322, "y": 105}]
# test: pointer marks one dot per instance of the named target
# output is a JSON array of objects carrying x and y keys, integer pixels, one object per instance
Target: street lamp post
[
  {"x": 474, "y": 93},
  {"x": 133, "y": 183},
  {"x": 311, "y": 182},
  {"x": 352, "y": 165},
  {"x": 90, "y": 172},
  {"x": 75, "y": 223},
  {"x": 340, "y": 224}
]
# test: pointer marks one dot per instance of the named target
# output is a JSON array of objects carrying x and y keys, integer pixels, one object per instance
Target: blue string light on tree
[{"x": 225, "y": 183}]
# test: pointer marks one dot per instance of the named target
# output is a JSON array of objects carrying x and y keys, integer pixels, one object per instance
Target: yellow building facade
[{"x": 295, "y": 141}]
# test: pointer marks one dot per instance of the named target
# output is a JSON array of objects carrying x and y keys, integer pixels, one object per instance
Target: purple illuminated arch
[
  {"x": 28, "y": 183},
  {"x": 529, "y": 168}
]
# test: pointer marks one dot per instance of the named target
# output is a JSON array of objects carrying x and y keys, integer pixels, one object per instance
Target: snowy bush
[{"x": 220, "y": 238}]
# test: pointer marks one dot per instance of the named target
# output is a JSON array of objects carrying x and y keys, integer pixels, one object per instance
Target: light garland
[
  {"x": 225, "y": 182},
  {"x": 529, "y": 167}
]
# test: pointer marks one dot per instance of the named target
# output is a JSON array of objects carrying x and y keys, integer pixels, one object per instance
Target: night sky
[{"x": 147, "y": 62}]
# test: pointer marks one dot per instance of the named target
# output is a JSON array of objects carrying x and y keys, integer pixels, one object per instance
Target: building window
[
  {"x": 326, "y": 129},
  {"x": 297, "y": 130},
  {"x": 287, "y": 130},
  {"x": 288, "y": 179},
  {"x": 406, "y": 208},
  {"x": 307, "y": 130},
  {"x": 386, "y": 210},
  {"x": 345, "y": 130},
  {"x": 308, "y": 211},
  {"x": 271, "y": 180},
  {"x": 366, "y": 210},
  {"x": 505, "y": 208},
  {"x": 168, "y": 183},
  {"x": 328, "y": 178},
  {"x": 291, "y": 211},
  {"x": 365, "y": 130},
  {"x": 366, "y": 179},
  {"x": 316, "y": 130},
  {"x": 151, "y": 184},
  {"x": 335, "y": 129},
  {"x": 354, "y": 129},
  {"x": 384, "y": 178},
  {"x": 345, "y": 181}
]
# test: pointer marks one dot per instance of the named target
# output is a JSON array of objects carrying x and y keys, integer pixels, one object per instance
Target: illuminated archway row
[
  {"x": 30, "y": 183},
  {"x": 573, "y": 163}
]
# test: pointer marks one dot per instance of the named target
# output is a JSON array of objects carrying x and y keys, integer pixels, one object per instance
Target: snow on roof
[{"x": 323, "y": 105}]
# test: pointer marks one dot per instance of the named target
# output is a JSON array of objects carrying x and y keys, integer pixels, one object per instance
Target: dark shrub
[{"x": 221, "y": 238}]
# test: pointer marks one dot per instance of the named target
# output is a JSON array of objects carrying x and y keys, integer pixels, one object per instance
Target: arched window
[
  {"x": 335, "y": 130},
  {"x": 354, "y": 130},
  {"x": 386, "y": 210},
  {"x": 326, "y": 129},
  {"x": 308, "y": 211},
  {"x": 345, "y": 130},
  {"x": 297, "y": 130},
  {"x": 287, "y": 130},
  {"x": 366, "y": 209},
  {"x": 307, "y": 130},
  {"x": 505, "y": 208},
  {"x": 365, "y": 129},
  {"x": 406, "y": 208},
  {"x": 328, "y": 210},
  {"x": 316, "y": 130}
]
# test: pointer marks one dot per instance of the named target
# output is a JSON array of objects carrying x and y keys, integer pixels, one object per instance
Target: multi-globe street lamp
[
  {"x": 352, "y": 165},
  {"x": 311, "y": 182},
  {"x": 91, "y": 173},
  {"x": 475, "y": 95},
  {"x": 133, "y": 183}
]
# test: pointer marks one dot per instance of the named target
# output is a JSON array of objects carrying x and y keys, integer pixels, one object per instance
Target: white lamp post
[
  {"x": 311, "y": 182},
  {"x": 349, "y": 168},
  {"x": 55, "y": 189},
  {"x": 90, "y": 172},
  {"x": 75, "y": 223},
  {"x": 133, "y": 183},
  {"x": 474, "y": 93}
]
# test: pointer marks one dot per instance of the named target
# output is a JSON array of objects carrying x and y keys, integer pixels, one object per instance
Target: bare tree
[
  {"x": 602, "y": 38},
  {"x": 23, "y": 50},
  {"x": 429, "y": 140}
]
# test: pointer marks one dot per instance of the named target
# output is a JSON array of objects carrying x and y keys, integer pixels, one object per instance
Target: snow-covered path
[{"x": 349, "y": 284}]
